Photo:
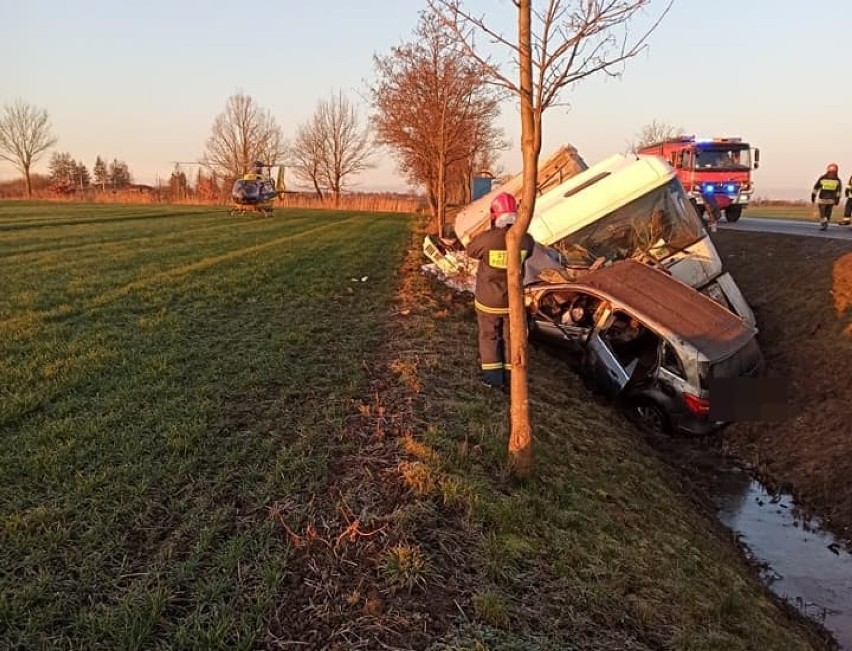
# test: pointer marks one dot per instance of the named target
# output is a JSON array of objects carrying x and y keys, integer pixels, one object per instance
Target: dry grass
[{"x": 363, "y": 202}]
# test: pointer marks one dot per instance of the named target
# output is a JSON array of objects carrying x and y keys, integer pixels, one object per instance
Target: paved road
[{"x": 789, "y": 227}]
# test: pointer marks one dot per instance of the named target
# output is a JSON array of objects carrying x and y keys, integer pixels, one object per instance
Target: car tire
[
  {"x": 649, "y": 416},
  {"x": 733, "y": 213}
]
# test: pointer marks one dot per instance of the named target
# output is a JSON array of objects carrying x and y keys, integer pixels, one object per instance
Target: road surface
[{"x": 789, "y": 227}]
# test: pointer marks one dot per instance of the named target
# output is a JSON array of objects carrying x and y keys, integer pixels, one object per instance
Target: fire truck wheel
[{"x": 733, "y": 213}]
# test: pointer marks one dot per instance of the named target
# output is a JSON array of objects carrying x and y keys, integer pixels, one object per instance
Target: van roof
[
  {"x": 670, "y": 306},
  {"x": 594, "y": 193}
]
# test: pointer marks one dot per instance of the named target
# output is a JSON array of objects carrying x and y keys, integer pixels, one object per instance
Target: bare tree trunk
[
  {"x": 520, "y": 439},
  {"x": 29, "y": 181},
  {"x": 442, "y": 194}
]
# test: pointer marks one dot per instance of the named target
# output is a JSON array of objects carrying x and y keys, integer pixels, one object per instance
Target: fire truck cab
[{"x": 709, "y": 169}]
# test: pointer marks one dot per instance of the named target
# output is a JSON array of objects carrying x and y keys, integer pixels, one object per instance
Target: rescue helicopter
[{"x": 256, "y": 190}]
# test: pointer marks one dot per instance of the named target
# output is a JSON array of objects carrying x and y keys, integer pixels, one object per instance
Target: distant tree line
[
  {"x": 431, "y": 110},
  {"x": 67, "y": 173}
]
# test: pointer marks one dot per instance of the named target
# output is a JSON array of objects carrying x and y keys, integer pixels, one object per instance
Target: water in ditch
[{"x": 800, "y": 562}]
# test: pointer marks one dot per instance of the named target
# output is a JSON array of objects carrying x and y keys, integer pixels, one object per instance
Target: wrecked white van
[{"x": 629, "y": 207}]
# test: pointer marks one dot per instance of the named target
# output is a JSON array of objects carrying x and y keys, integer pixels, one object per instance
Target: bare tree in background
[
  {"x": 307, "y": 156},
  {"x": 24, "y": 136},
  {"x": 335, "y": 146},
  {"x": 655, "y": 131},
  {"x": 433, "y": 110},
  {"x": 242, "y": 134},
  {"x": 558, "y": 44}
]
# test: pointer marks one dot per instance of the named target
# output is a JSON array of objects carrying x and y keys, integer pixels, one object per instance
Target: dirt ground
[{"x": 801, "y": 292}]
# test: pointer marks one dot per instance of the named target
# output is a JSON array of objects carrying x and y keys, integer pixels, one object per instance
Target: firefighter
[
  {"x": 713, "y": 210},
  {"x": 826, "y": 194},
  {"x": 847, "y": 208},
  {"x": 492, "y": 292}
]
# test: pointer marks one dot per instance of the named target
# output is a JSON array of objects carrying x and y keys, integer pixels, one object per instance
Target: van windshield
[{"x": 654, "y": 226}]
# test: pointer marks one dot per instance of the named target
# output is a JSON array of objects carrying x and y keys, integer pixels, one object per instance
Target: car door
[
  {"x": 602, "y": 366},
  {"x": 600, "y": 363}
]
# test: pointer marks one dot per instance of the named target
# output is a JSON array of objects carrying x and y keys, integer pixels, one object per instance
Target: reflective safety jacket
[
  {"x": 489, "y": 248},
  {"x": 849, "y": 187},
  {"x": 826, "y": 189}
]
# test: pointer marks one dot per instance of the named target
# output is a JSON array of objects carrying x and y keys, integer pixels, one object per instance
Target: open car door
[{"x": 603, "y": 367}]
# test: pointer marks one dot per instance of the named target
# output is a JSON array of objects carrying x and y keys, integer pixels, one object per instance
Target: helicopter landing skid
[{"x": 242, "y": 211}]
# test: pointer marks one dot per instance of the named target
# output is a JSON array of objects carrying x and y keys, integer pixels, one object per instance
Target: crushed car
[{"x": 643, "y": 337}]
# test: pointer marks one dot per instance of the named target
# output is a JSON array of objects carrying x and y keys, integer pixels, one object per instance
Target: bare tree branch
[
  {"x": 242, "y": 134},
  {"x": 434, "y": 111},
  {"x": 566, "y": 42},
  {"x": 24, "y": 136},
  {"x": 332, "y": 146}
]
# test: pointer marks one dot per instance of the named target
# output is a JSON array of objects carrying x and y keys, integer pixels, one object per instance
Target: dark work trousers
[
  {"x": 494, "y": 347},
  {"x": 825, "y": 211},
  {"x": 847, "y": 209},
  {"x": 713, "y": 210}
]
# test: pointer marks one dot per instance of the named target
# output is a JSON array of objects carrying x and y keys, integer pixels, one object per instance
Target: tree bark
[{"x": 521, "y": 456}]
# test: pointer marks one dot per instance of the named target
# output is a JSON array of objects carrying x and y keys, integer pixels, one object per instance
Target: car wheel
[
  {"x": 650, "y": 417},
  {"x": 733, "y": 213}
]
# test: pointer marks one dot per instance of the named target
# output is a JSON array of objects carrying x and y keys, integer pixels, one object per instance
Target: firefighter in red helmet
[
  {"x": 826, "y": 194},
  {"x": 492, "y": 292}
]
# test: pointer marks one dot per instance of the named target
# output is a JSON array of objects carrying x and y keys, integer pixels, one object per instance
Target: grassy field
[
  {"x": 214, "y": 435},
  {"x": 803, "y": 212}
]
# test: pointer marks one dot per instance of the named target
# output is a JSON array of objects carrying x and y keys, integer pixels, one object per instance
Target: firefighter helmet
[
  {"x": 502, "y": 204},
  {"x": 832, "y": 167}
]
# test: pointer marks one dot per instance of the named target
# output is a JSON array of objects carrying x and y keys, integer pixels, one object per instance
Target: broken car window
[{"x": 671, "y": 362}]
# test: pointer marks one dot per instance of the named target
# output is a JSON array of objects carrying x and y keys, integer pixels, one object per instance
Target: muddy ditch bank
[
  {"x": 784, "y": 489},
  {"x": 801, "y": 292}
]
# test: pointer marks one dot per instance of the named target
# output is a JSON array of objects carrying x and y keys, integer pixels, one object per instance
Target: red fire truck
[{"x": 717, "y": 167}]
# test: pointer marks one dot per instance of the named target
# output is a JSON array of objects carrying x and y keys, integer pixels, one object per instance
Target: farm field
[
  {"x": 800, "y": 212},
  {"x": 221, "y": 433}
]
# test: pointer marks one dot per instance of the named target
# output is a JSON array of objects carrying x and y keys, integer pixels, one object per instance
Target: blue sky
[{"x": 144, "y": 81}]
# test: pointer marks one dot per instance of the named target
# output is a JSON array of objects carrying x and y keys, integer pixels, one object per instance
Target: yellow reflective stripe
[
  {"x": 498, "y": 259},
  {"x": 492, "y": 366},
  {"x": 830, "y": 184},
  {"x": 508, "y": 367},
  {"x": 490, "y": 310}
]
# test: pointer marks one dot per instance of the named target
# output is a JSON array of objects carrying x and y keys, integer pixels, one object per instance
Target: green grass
[
  {"x": 167, "y": 373},
  {"x": 212, "y": 438},
  {"x": 797, "y": 212}
]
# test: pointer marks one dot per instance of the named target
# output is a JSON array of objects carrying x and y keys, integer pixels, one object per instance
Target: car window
[
  {"x": 671, "y": 362},
  {"x": 634, "y": 344},
  {"x": 570, "y": 308}
]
